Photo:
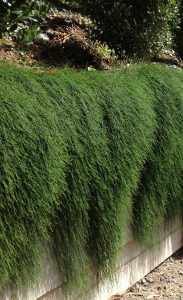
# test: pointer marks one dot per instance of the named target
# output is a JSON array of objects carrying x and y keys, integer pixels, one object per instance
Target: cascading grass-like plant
[
  {"x": 83, "y": 155},
  {"x": 160, "y": 191}
]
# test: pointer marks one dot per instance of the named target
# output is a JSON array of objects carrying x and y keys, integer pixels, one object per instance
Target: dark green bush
[
  {"x": 22, "y": 19},
  {"x": 81, "y": 156},
  {"x": 178, "y": 33},
  {"x": 133, "y": 27}
]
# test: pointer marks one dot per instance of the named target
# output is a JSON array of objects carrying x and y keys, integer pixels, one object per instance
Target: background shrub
[
  {"x": 22, "y": 19},
  {"x": 178, "y": 33},
  {"x": 131, "y": 27}
]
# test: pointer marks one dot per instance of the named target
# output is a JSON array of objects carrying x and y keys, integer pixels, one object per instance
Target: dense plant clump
[
  {"x": 160, "y": 193},
  {"x": 133, "y": 27},
  {"x": 81, "y": 156}
]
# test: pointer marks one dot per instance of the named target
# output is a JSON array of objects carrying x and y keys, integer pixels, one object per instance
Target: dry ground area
[
  {"x": 163, "y": 283},
  {"x": 64, "y": 42}
]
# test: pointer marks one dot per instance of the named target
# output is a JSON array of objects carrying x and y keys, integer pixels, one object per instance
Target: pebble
[
  {"x": 137, "y": 286},
  {"x": 165, "y": 278},
  {"x": 150, "y": 280},
  {"x": 145, "y": 284},
  {"x": 144, "y": 288},
  {"x": 180, "y": 272},
  {"x": 133, "y": 289},
  {"x": 143, "y": 281}
]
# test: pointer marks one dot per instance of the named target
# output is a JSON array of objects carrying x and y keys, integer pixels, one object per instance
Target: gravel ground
[{"x": 165, "y": 282}]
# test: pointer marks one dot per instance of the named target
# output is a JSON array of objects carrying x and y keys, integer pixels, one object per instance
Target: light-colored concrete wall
[
  {"x": 135, "y": 262},
  {"x": 48, "y": 279}
]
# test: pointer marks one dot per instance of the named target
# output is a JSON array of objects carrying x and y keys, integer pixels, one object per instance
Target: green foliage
[
  {"x": 178, "y": 33},
  {"x": 22, "y": 19},
  {"x": 133, "y": 27},
  {"x": 160, "y": 192},
  {"x": 82, "y": 155}
]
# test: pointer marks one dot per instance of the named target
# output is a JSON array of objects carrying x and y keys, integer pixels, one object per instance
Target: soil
[
  {"x": 66, "y": 40},
  {"x": 163, "y": 283}
]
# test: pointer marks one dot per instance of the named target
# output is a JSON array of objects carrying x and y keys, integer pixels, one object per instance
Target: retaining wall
[{"x": 135, "y": 262}]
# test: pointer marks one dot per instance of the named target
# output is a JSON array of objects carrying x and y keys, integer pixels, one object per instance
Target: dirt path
[{"x": 163, "y": 283}]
